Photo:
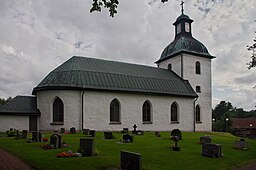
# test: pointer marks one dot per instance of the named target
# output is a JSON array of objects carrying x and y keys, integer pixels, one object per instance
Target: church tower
[{"x": 190, "y": 59}]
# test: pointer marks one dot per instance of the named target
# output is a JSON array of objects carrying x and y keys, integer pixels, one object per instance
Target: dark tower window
[
  {"x": 146, "y": 112},
  {"x": 58, "y": 110},
  {"x": 198, "y": 68},
  {"x": 178, "y": 28},
  {"x": 198, "y": 118},
  {"x": 114, "y": 111},
  {"x": 174, "y": 112},
  {"x": 198, "y": 89},
  {"x": 170, "y": 66}
]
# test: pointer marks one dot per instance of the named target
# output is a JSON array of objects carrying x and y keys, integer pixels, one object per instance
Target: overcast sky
[{"x": 37, "y": 36}]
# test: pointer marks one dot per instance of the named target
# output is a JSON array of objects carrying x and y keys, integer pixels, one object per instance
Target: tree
[
  {"x": 111, "y": 5},
  {"x": 221, "y": 109},
  {"x": 252, "y": 48},
  {"x": 4, "y": 101}
]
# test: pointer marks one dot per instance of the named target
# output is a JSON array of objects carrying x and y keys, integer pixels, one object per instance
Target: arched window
[
  {"x": 198, "y": 89},
  {"x": 115, "y": 111},
  {"x": 170, "y": 66},
  {"x": 198, "y": 68},
  {"x": 174, "y": 112},
  {"x": 146, "y": 112},
  {"x": 198, "y": 119},
  {"x": 58, "y": 110}
]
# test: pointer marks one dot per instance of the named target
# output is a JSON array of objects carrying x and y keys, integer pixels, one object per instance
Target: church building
[{"x": 89, "y": 93}]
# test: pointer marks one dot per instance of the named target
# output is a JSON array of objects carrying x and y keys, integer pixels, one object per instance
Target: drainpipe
[
  {"x": 82, "y": 110},
  {"x": 195, "y": 114}
]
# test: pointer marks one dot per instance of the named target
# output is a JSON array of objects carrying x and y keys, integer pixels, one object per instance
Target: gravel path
[{"x": 10, "y": 162}]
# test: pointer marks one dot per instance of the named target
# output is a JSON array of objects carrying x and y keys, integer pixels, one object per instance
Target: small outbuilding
[
  {"x": 19, "y": 113},
  {"x": 244, "y": 127}
]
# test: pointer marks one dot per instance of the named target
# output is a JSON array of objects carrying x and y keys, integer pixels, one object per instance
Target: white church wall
[
  {"x": 204, "y": 81},
  {"x": 97, "y": 111},
  {"x": 72, "y": 108},
  {"x": 175, "y": 62},
  {"x": 16, "y": 122}
]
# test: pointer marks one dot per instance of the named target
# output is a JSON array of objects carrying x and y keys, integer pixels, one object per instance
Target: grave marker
[
  {"x": 24, "y": 134},
  {"x": 86, "y": 131},
  {"x": 108, "y": 135},
  {"x": 130, "y": 161},
  {"x": 176, "y": 132},
  {"x": 127, "y": 138},
  {"x": 134, "y": 129},
  {"x": 62, "y": 130},
  {"x": 92, "y": 133},
  {"x": 36, "y": 137},
  {"x": 87, "y": 147},
  {"x": 125, "y": 130},
  {"x": 211, "y": 150},
  {"x": 157, "y": 134},
  {"x": 56, "y": 141},
  {"x": 73, "y": 130},
  {"x": 241, "y": 144}
]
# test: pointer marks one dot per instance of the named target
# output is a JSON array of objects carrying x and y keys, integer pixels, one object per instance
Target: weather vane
[{"x": 182, "y": 9}]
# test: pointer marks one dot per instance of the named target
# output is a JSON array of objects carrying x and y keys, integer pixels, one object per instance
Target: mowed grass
[{"x": 156, "y": 152}]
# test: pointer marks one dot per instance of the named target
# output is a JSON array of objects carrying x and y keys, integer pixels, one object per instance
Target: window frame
[
  {"x": 198, "y": 114},
  {"x": 198, "y": 68},
  {"x": 114, "y": 112},
  {"x": 147, "y": 112},
  {"x": 57, "y": 112}
]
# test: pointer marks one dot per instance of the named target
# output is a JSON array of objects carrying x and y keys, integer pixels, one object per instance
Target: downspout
[
  {"x": 82, "y": 110},
  {"x": 195, "y": 114}
]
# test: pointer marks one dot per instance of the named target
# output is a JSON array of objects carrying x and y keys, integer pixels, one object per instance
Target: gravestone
[
  {"x": 17, "y": 134},
  {"x": 92, "y": 133},
  {"x": 36, "y": 137},
  {"x": 130, "y": 161},
  {"x": 127, "y": 138},
  {"x": 211, "y": 150},
  {"x": 125, "y": 130},
  {"x": 56, "y": 141},
  {"x": 157, "y": 134},
  {"x": 205, "y": 139},
  {"x": 241, "y": 144},
  {"x": 24, "y": 134},
  {"x": 87, "y": 147},
  {"x": 62, "y": 130},
  {"x": 108, "y": 135},
  {"x": 86, "y": 131},
  {"x": 175, "y": 139},
  {"x": 73, "y": 130},
  {"x": 134, "y": 129},
  {"x": 176, "y": 132}
]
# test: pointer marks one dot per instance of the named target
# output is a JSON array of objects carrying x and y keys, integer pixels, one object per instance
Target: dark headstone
[
  {"x": 24, "y": 134},
  {"x": 205, "y": 139},
  {"x": 108, "y": 135},
  {"x": 127, "y": 138},
  {"x": 62, "y": 130},
  {"x": 241, "y": 145},
  {"x": 87, "y": 147},
  {"x": 17, "y": 134},
  {"x": 175, "y": 139},
  {"x": 36, "y": 137},
  {"x": 134, "y": 129},
  {"x": 86, "y": 131},
  {"x": 157, "y": 134},
  {"x": 125, "y": 130},
  {"x": 176, "y": 132},
  {"x": 131, "y": 161},
  {"x": 11, "y": 129},
  {"x": 211, "y": 150},
  {"x": 56, "y": 141},
  {"x": 92, "y": 133},
  {"x": 73, "y": 130}
]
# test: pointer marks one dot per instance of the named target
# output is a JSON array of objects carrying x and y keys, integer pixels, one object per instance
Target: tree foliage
[
  {"x": 252, "y": 48},
  {"x": 111, "y": 5},
  {"x": 4, "y": 101}
]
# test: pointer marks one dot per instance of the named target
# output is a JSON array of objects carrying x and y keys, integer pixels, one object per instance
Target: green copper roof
[
  {"x": 186, "y": 44},
  {"x": 96, "y": 74}
]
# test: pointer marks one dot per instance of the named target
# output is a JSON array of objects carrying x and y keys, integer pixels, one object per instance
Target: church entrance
[{"x": 32, "y": 123}]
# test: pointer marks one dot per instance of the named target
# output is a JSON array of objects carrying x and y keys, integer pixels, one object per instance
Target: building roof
[
  {"x": 96, "y": 74},
  {"x": 184, "y": 42},
  {"x": 244, "y": 123},
  {"x": 20, "y": 105}
]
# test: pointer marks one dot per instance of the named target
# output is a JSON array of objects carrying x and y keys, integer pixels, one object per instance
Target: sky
[{"x": 37, "y": 36}]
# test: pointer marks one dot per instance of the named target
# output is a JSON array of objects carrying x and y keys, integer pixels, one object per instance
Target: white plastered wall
[{"x": 13, "y": 121}]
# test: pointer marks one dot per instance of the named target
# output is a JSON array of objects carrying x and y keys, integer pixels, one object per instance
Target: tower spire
[{"x": 182, "y": 9}]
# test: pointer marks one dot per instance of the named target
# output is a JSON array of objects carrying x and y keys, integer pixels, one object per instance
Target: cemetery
[{"x": 92, "y": 150}]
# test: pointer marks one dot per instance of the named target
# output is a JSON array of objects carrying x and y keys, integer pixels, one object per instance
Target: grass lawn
[{"x": 156, "y": 152}]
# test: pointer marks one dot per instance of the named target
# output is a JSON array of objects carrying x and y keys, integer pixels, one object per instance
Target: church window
[
  {"x": 198, "y": 89},
  {"x": 146, "y": 112},
  {"x": 170, "y": 66},
  {"x": 187, "y": 27},
  {"x": 198, "y": 117},
  {"x": 174, "y": 112},
  {"x": 115, "y": 111},
  {"x": 178, "y": 28},
  {"x": 198, "y": 68},
  {"x": 58, "y": 110}
]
